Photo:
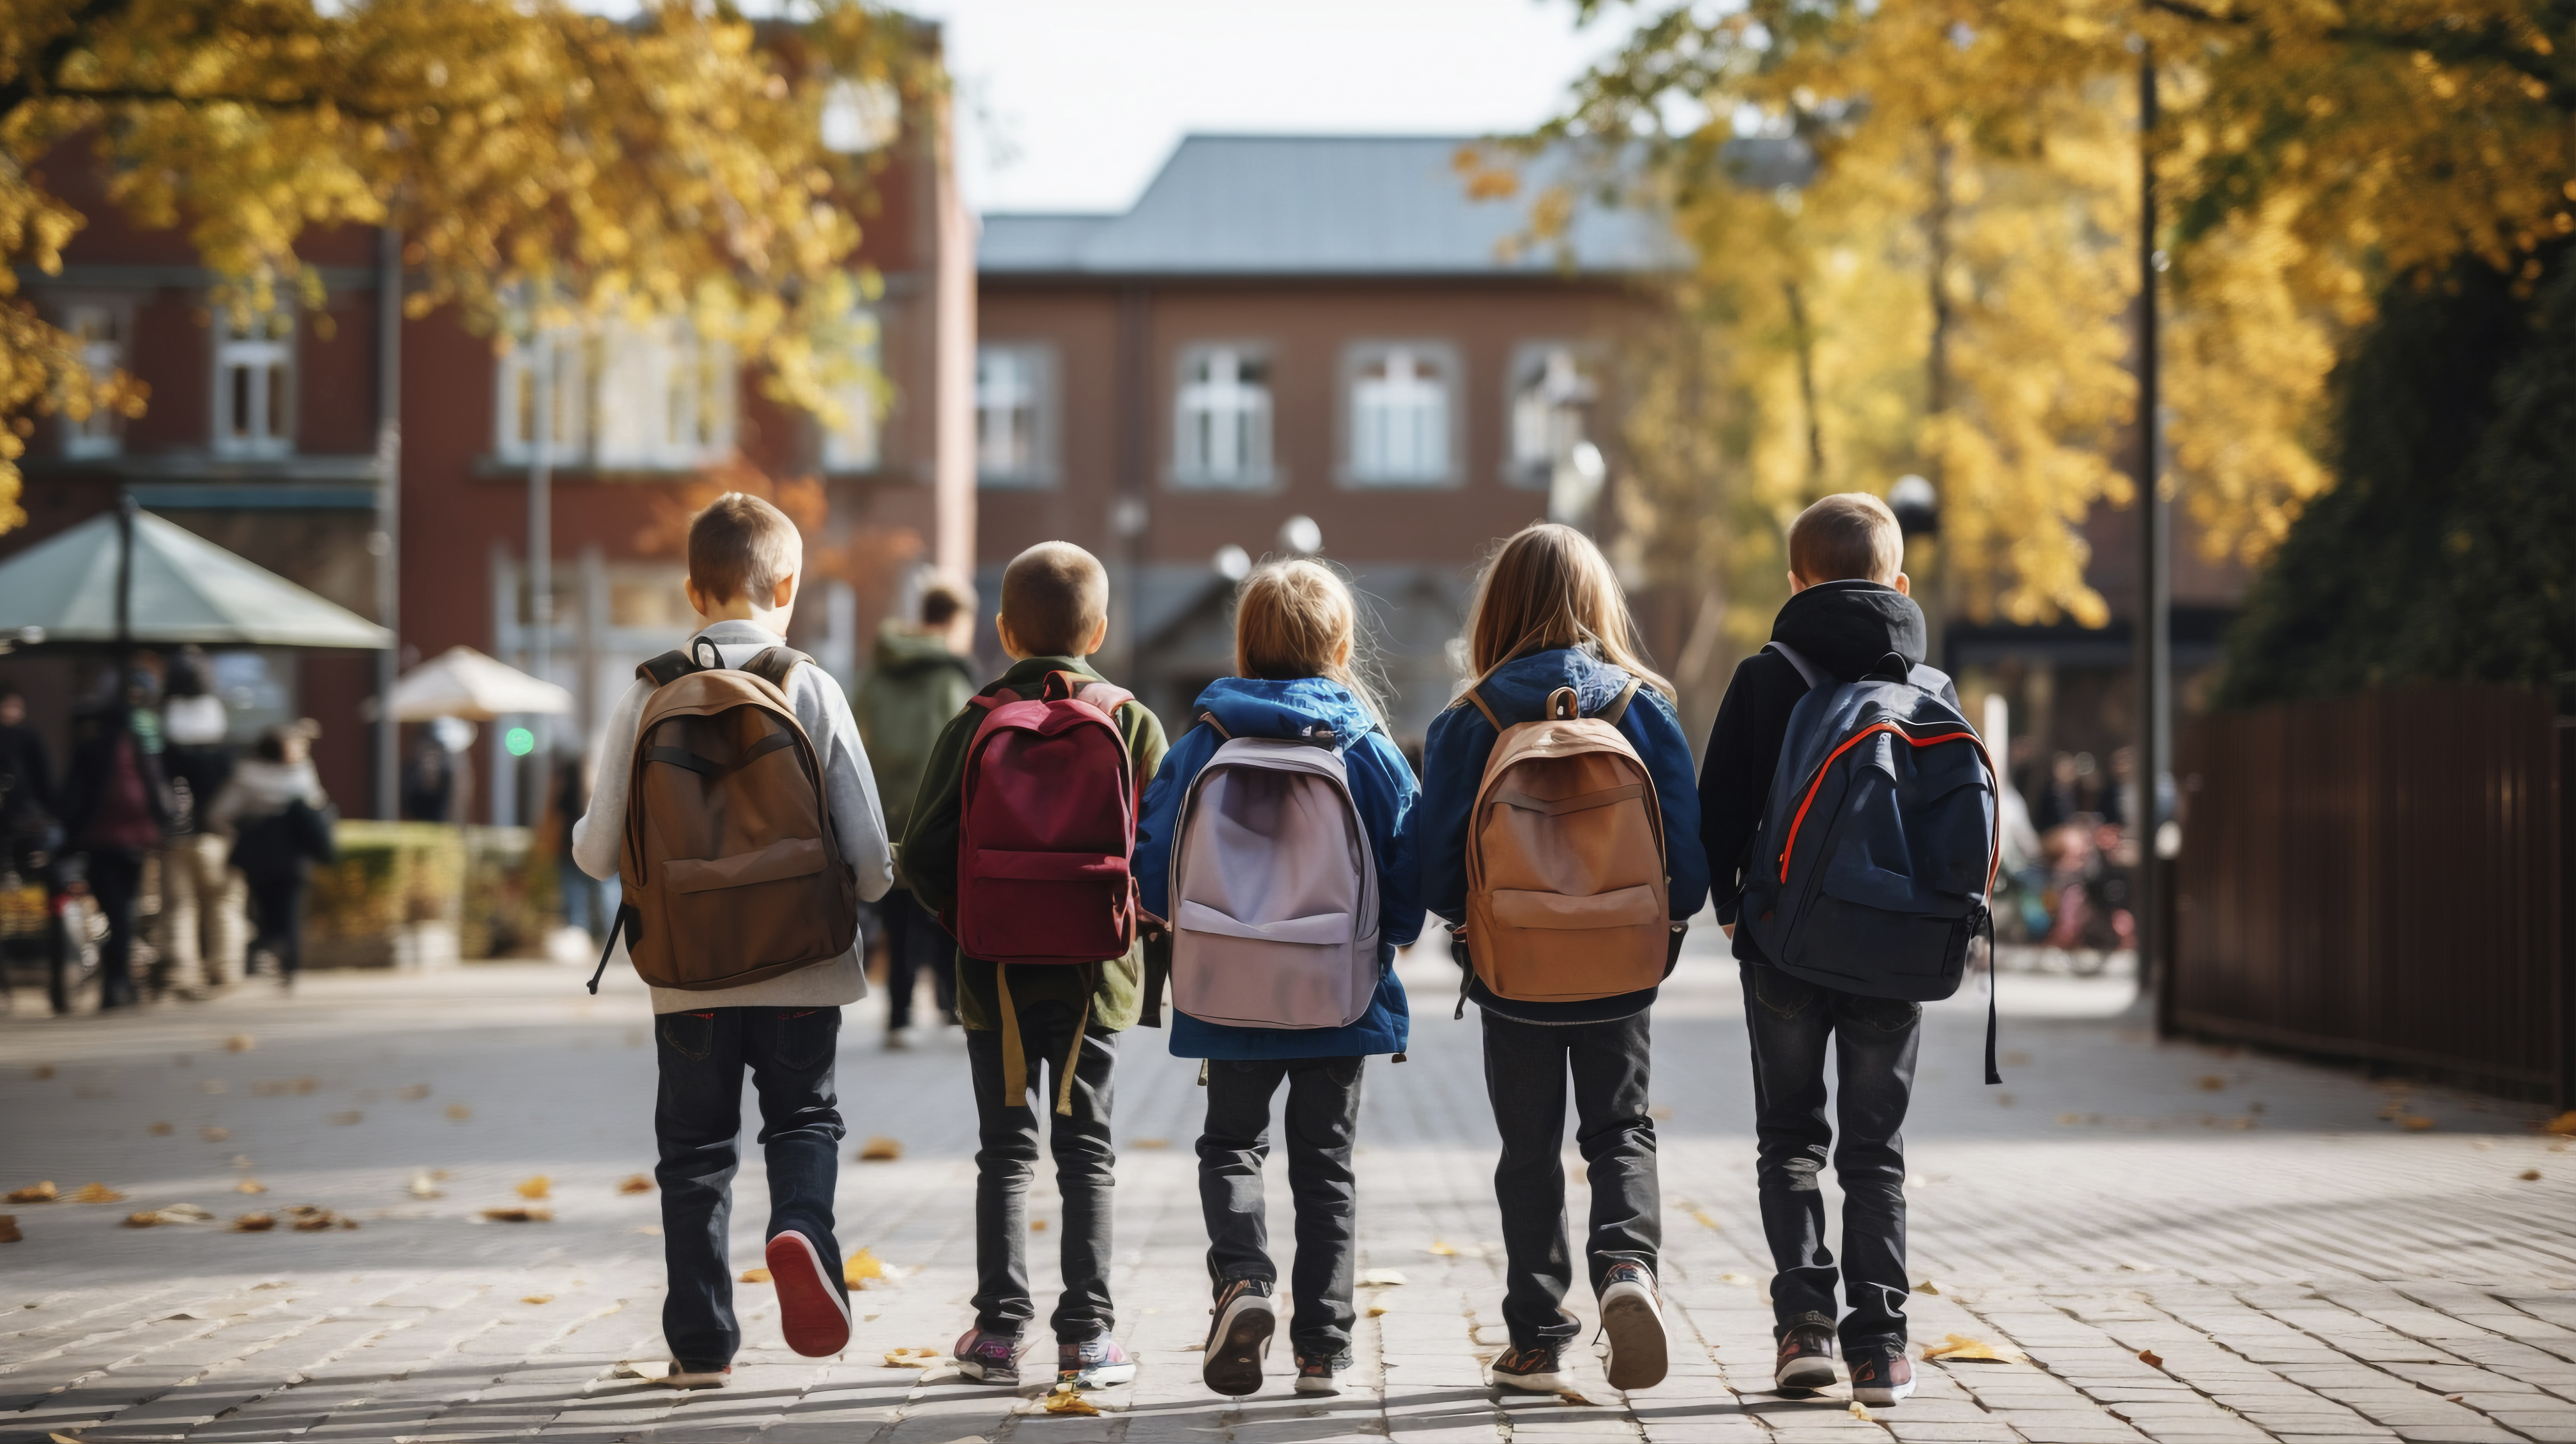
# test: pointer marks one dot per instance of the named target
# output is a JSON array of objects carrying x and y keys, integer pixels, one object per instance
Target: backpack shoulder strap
[
  {"x": 1808, "y": 672},
  {"x": 666, "y": 669},
  {"x": 1618, "y": 707},
  {"x": 1476, "y": 695},
  {"x": 774, "y": 664}
]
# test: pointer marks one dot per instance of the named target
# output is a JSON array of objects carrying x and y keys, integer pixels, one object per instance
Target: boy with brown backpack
[
  {"x": 1021, "y": 841},
  {"x": 734, "y": 802}
]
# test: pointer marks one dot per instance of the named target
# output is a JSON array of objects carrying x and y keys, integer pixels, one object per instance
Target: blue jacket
[
  {"x": 1381, "y": 784},
  {"x": 1453, "y": 765}
]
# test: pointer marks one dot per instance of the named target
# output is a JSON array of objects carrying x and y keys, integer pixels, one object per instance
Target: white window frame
[
  {"x": 1547, "y": 400},
  {"x": 105, "y": 331},
  {"x": 663, "y": 398},
  {"x": 265, "y": 364},
  {"x": 1021, "y": 373},
  {"x": 1223, "y": 405},
  {"x": 858, "y": 443},
  {"x": 1394, "y": 436},
  {"x": 515, "y": 396}
]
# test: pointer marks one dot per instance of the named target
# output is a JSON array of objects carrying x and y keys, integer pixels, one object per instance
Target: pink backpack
[{"x": 1047, "y": 827}]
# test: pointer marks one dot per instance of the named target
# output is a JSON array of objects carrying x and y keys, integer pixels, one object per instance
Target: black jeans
[
  {"x": 915, "y": 941},
  {"x": 697, "y": 1122},
  {"x": 1874, "y": 1045},
  {"x": 1526, "y": 1066},
  {"x": 1323, "y": 1114},
  {"x": 277, "y": 905},
  {"x": 1006, "y": 1158},
  {"x": 116, "y": 880}
]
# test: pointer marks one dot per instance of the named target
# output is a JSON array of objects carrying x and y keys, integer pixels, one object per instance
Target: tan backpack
[
  {"x": 1566, "y": 892},
  {"x": 731, "y": 868}
]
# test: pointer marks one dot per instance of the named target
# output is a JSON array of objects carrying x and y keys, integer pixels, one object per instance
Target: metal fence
[{"x": 2378, "y": 877}]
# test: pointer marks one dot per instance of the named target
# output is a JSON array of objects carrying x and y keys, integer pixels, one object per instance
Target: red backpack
[{"x": 1047, "y": 827}]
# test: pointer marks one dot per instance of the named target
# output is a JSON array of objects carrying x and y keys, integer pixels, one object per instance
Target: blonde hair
[
  {"x": 1849, "y": 536},
  {"x": 1297, "y": 619},
  {"x": 1549, "y": 587},
  {"x": 742, "y": 546}
]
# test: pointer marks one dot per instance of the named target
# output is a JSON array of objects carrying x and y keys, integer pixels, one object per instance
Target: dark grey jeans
[
  {"x": 1874, "y": 1042},
  {"x": 1006, "y": 1158},
  {"x": 1526, "y": 1068},
  {"x": 1323, "y": 1115}
]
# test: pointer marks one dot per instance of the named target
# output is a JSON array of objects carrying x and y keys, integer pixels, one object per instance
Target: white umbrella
[
  {"x": 184, "y": 588},
  {"x": 462, "y": 682}
]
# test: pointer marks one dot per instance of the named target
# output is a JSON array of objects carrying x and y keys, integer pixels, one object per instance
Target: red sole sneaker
[{"x": 811, "y": 1312}]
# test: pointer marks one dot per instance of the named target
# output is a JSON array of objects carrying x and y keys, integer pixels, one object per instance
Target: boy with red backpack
[
  {"x": 735, "y": 805},
  {"x": 1020, "y": 841}
]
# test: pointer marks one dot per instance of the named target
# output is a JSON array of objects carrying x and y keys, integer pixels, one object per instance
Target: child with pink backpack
[
  {"x": 1559, "y": 833},
  {"x": 1277, "y": 845}
]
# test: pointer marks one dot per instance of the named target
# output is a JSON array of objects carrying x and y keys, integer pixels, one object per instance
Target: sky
[{"x": 1074, "y": 104}]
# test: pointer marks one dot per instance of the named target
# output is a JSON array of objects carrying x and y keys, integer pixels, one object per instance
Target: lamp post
[
  {"x": 541, "y": 538},
  {"x": 2155, "y": 590}
]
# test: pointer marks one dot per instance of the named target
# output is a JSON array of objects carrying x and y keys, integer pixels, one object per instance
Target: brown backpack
[
  {"x": 1566, "y": 892},
  {"x": 731, "y": 869}
]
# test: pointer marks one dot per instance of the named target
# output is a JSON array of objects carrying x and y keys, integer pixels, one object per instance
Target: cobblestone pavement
[{"x": 2188, "y": 1245}]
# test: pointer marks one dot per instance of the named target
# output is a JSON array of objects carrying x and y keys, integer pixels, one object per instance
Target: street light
[
  {"x": 1574, "y": 488},
  {"x": 1232, "y": 562},
  {"x": 1917, "y": 506},
  {"x": 1300, "y": 534}
]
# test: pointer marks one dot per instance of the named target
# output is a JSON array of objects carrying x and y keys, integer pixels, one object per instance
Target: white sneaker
[
  {"x": 1538, "y": 1371},
  {"x": 1632, "y": 1329}
]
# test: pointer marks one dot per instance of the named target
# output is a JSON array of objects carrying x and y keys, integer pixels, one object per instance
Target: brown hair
[
  {"x": 1849, "y": 536},
  {"x": 943, "y": 600},
  {"x": 1297, "y": 619},
  {"x": 1550, "y": 586},
  {"x": 742, "y": 546},
  {"x": 1053, "y": 595}
]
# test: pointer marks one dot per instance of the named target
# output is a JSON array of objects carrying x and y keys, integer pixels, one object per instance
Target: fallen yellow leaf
[
  {"x": 1376, "y": 1310},
  {"x": 44, "y": 1071},
  {"x": 860, "y": 1267},
  {"x": 306, "y": 1218},
  {"x": 755, "y": 1276},
  {"x": 175, "y": 1213},
  {"x": 212, "y": 1134},
  {"x": 519, "y": 1215},
  {"x": 1382, "y": 1279},
  {"x": 1858, "y": 1412},
  {"x": 1065, "y": 1401},
  {"x": 880, "y": 1150},
  {"x": 160, "y": 1130},
  {"x": 1568, "y": 1396},
  {"x": 1731, "y": 1277},
  {"x": 2530, "y": 1175},
  {"x": 1961, "y": 1349},
  {"x": 424, "y": 1186},
  {"x": 9, "y": 1228},
  {"x": 2151, "y": 1358},
  {"x": 35, "y": 1193},
  {"x": 537, "y": 1187},
  {"x": 650, "y": 1230},
  {"x": 240, "y": 1043},
  {"x": 637, "y": 1183},
  {"x": 1037, "y": 1225},
  {"x": 2416, "y": 1122},
  {"x": 459, "y": 1112},
  {"x": 2212, "y": 1082},
  {"x": 1150, "y": 1144},
  {"x": 254, "y": 1223},
  {"x": 1441, "y": 1249},
  {"x": 2564, "y": 1125},
  {"x": 97, "y": 1193},
  {"x": 538, "y": 1299},
  {"x": 412, "y": 1094},
  {"x": 1928, "y": 1287},
  {"x": 250, "y": 1185},
  {"x": 912, "y": 1358}
]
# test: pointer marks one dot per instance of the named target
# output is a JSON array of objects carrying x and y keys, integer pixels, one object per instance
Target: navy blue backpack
[{"x": 1878, "y": 846}]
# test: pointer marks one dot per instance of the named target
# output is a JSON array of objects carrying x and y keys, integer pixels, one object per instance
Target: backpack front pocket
[{"x": 1291, "y": 973}]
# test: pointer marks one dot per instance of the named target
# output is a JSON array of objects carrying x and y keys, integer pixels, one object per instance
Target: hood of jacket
[
  {"x": 1846, "y": 627},
  {"x": 268, "y": 787},
  {"x": 903, "y": 651},
  {"x": 1518, "y": 690},
  {"x": 1255, "y": 707}
]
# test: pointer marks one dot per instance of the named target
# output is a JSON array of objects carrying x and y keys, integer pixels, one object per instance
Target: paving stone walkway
[{"x": 2167, "y": 1243}]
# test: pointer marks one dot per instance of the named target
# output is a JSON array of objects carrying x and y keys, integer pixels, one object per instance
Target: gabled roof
[{"x": 1278, "y": 205}]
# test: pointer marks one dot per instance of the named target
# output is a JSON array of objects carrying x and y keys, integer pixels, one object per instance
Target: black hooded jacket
[{"x": 1841, "y": 627}]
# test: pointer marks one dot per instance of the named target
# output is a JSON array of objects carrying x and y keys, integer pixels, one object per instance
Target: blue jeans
[
  {"x": 589, "y": 903},
  {"x": 1874, "y": 1042},
  {"x": 697, "y": 1122}
]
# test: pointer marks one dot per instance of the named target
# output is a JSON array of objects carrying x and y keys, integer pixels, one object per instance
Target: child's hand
[{"x": 1730, "y": 931}]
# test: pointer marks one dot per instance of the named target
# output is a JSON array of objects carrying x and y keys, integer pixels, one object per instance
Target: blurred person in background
[
  {"x": 275, "y": 812},
  {"x": 917, "y": 683},
  {"x": 204, "y": 930},
  {"x": 116, "y": 812},
  {"x": 589, "y": 903},
  {"x": 27, "y": 803},
  {"x": 429, "y": 780}
]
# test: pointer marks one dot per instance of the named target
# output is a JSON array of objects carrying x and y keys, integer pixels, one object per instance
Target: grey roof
[{"x": 1272, "y": 205}]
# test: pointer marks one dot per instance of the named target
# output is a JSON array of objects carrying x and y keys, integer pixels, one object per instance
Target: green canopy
[{"x": 186, "y": 589}]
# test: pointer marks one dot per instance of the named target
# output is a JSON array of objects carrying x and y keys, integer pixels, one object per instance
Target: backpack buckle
[{"x": 1562, "y": 706}]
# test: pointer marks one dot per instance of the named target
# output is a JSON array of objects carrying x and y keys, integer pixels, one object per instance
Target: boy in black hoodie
[{"x": 1847, "y": 609}]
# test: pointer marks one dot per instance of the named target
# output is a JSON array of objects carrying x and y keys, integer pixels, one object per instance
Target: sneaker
[
  {"x": 1632, "y": 1326},
  {"x": 811, "y": 1309},
  {"x": 1095, "y": 1363},
  {"x": 991, "y": 1357},
  {"x": 697, "y": 1376},
  {"x": 1881, "y": 1375},
  {"x": 1238, "y": 1338},
  {"x": 1317, "y": 1374},
  {"x": 1806, "y": 1358},
  {"x": 1538, "y": 1370}
]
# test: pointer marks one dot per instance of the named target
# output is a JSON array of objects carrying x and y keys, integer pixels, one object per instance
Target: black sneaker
[
  {"x": 1238, "y": 1338},
  {"x": 1539, "y": 1370},
  {"x": 1881, "y": 1374},
  {"x": 1632, "y": 1328},
  {"x": 1806, "y": 1358},
  {"x": 1319, "y": 1374}
]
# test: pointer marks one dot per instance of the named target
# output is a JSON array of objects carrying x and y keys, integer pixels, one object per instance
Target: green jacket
[
  {"x": 930, "y": 866},
  {"x": 914, "y": 689}
]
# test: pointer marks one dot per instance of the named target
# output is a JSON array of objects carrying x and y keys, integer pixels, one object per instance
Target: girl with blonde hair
[
  {"x": 1297, "y": 645},
  {"x": 1550, "y": 616}
]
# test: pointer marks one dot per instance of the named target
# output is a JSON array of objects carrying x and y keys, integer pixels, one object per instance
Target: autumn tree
[{"x": 541, "y": 163}]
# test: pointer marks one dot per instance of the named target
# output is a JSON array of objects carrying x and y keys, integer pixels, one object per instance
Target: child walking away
[
  {"x": 1560, "y": 836},
  {"x": 1278, "y": 841},
  {"x": 734, "y": 803},
  {"x": 1886, "y": 854},
  {"x": 1020, "y": 842}
]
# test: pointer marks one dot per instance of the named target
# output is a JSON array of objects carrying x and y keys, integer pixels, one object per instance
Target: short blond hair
[
  {"x": 742, "y": 546},
  {"x": 1849, "y": 536},
  {"x": 1054, "y": 595},
  {"x": 1297, "y": 619}
]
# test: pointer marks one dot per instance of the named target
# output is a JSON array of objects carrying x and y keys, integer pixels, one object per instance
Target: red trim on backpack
[{"x": 1791, "y": 841}]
